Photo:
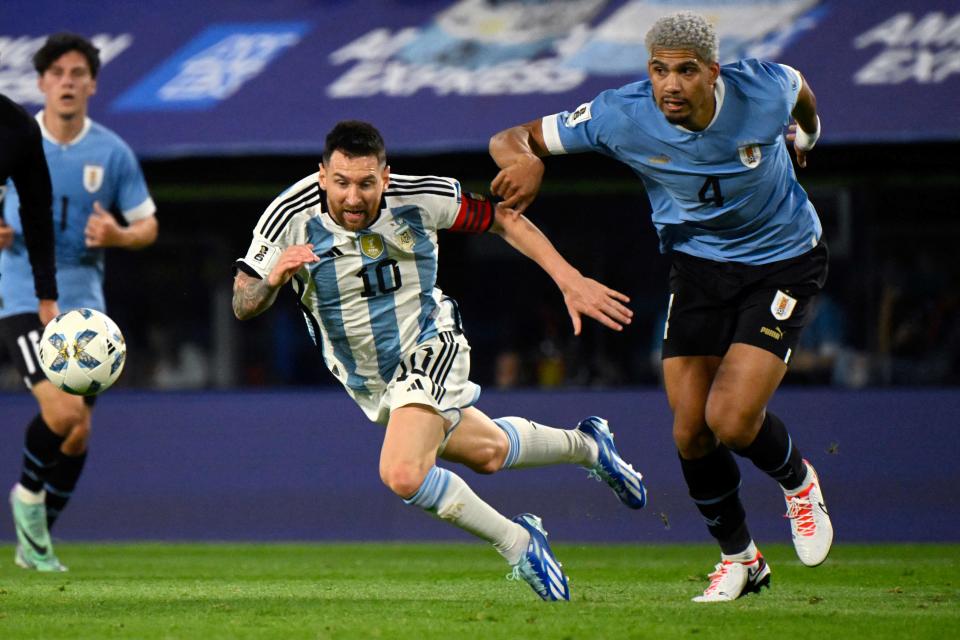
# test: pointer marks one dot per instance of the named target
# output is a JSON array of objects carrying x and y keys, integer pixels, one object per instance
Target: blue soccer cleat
[
  {"x": 538, "y": 566},
  {"x": 611, "y": 468}
]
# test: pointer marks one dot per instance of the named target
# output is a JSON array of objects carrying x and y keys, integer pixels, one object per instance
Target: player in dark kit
[{"x": 21, "y": 159}]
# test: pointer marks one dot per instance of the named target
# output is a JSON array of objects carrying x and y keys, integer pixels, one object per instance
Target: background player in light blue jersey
[
  {"x": 747, "y": 263},
  {"x": 360, "y": 248},
  {"x": 93, "y": 172}
]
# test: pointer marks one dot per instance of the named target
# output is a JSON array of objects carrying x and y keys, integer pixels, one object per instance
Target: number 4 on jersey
[{"x": 711, "y": 186}]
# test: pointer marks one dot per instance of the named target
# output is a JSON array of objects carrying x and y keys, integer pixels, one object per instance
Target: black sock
[
  {"x": 60, "y": 484},
  {"x": 41, "y": 452},
  {"x": 714, "y": 484},
  {"x": 772, "y": 451}
]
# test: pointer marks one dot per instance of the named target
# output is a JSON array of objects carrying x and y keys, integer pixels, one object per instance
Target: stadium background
[{"x": 228, "y": 105}]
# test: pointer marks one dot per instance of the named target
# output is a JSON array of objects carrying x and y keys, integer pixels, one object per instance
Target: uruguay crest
[
  {"x": 750, "y": 155},
  {"x": 92, "y": 177},
  {"x": 371, "y": 244},
  {"x": 782, "y": 306}
]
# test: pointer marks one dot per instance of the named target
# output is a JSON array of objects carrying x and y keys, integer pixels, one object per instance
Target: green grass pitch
[{"x": 458, "y": 591}]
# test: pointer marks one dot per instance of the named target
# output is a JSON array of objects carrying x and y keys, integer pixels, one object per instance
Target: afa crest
[
  {"x": 404, "y": 238},
  {"x": 92, "y": 177},
  {"x": 371, "y": 244}
]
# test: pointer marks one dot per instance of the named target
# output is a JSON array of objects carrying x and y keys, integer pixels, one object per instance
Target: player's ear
[
  {"x": 93, "y": 87},
  {"x": 714, "y": 68},
  {"x": 322, "y": 177},
  {"x": 386, "y": 176}
]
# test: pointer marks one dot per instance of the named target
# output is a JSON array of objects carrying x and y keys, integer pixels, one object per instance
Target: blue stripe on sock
[
  {"x": 57, "y": 492},
  {"x": 720, "y": 498},
  {"x": 513, "y": 437},
  {"x": 432, "y": 489}
]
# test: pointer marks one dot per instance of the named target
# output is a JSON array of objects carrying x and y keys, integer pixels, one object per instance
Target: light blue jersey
[
  {"x": 728, "y": 193},
  {"x": 372, "y": 298},
  {"x": 96, "y": 166}
]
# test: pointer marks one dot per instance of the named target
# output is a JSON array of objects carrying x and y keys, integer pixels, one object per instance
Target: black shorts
[
  {"x": 714, "y": 304},
  {"x": 20, "y": 336}
]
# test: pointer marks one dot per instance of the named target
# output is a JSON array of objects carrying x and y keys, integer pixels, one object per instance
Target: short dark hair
[
  {"x": 61, "y": 43},
  {"x": 355, "y": 138}
]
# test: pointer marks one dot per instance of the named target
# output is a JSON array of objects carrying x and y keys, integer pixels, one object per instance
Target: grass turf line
[{"x": 458, "y": 591}]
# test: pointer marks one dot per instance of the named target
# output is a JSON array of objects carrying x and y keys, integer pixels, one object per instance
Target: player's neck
[
  {"x": 64, "y": 129},
  {"x": 702, "y": 119}
]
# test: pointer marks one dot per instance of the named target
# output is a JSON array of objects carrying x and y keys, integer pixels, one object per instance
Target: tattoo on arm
[{"x": 251, "y": 296}]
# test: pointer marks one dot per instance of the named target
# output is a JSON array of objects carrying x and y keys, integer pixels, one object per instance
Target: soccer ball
[{"x": 82, "y": 352}]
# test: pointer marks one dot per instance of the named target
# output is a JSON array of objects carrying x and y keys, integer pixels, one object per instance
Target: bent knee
[
  {"x": 403, "y": 479},
  {"x": 66, "y": 417},
  {"x": 76, "y": 442},
  {"x": 732, "y": 424},
  {"x": 693, "y": 440}
]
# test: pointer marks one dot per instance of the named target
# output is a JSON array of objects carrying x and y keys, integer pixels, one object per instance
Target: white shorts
[{"x": 436, "y": 374}]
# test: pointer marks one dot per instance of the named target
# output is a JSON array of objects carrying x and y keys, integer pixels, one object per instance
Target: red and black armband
[{"x": 475, "y": 215}]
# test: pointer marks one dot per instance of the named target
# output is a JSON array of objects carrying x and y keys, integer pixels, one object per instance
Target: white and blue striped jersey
[
  {"x": 97, "y": 165},
  {"x": 727, "y": 193},
  {"x": 372, "y": 298}
]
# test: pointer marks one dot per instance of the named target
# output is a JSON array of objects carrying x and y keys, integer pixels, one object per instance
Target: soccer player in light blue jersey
[
  {"x": 747, "y": 263},
  {"x": 93, "y": 172},
  {"x": 359, "y": 245}
]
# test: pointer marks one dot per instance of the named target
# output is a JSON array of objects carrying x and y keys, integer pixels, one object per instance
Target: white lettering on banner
[
  {"x": 394, "y": 78},
  {"x": 925, "y": 50},
  {"x": 375, "y": 45},
  {"x": 18, "y": 79},
  {"x": 219, "y": 71}
]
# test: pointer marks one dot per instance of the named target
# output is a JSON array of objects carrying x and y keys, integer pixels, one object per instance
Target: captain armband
[
  {"x": 475, "y": 214},
  {"x": 805, "y": 141}
]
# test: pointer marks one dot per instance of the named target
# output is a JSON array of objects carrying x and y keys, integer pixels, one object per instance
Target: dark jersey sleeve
[{"x": 32, "y": 179}]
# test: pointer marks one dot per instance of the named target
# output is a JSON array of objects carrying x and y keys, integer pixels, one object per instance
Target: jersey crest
[
  {"x": 750, "y": 155},
  {"x": 404, "y": 238},
  {"x": 371, "y": 245},
  {"x": 782, "y": 306},
  {"x": 92, "y": 177}
]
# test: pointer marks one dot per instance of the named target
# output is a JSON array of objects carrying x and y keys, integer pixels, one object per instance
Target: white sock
[
  {"x": 746, "y": 555},
  {"x": 28, "y": 497},
  {"x": 445, "y": 494},
  {"x": 537, "y": 445}
]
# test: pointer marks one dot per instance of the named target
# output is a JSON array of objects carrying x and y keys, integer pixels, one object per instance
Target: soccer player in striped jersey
[
  {"x": 359, "y": 246},
  {"x": 92, "y": 172},
  {"x": 748, "y": 262}
]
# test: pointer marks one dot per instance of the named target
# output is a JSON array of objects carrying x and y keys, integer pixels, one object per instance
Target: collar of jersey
[
  {"x": 719, "y": 90},
  {"x": 49, "y": 136}
]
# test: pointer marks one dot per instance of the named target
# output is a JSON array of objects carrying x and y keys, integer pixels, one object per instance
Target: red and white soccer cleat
[
  {"x": 731, "y": 579},
  {"x": 809, "y": 522}
]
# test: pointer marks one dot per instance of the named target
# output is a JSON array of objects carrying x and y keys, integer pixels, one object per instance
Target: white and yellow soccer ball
[{"x": 82, "y": 352}]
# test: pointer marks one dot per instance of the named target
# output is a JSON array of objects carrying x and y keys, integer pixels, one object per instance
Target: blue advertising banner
[{"x": 438, "y": 75}]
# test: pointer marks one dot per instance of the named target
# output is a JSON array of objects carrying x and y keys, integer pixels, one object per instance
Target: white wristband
[{"x": 805, "y": 141}]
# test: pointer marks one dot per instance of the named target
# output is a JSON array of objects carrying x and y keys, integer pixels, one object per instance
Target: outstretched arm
[
  {"x": 517, "y": 151},
  {"x": 583, "y": 296},
  {"x": 252, "y": 296},
  {"x": 806, "y": 131}
]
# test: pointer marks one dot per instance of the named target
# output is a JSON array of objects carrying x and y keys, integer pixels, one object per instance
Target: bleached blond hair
[{"x": 684, "y": 30}]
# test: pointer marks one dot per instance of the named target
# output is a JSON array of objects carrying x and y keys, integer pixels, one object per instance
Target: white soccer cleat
[
  {"x": 809, "y": 522},
  {"x": 731, "y": 579}
]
